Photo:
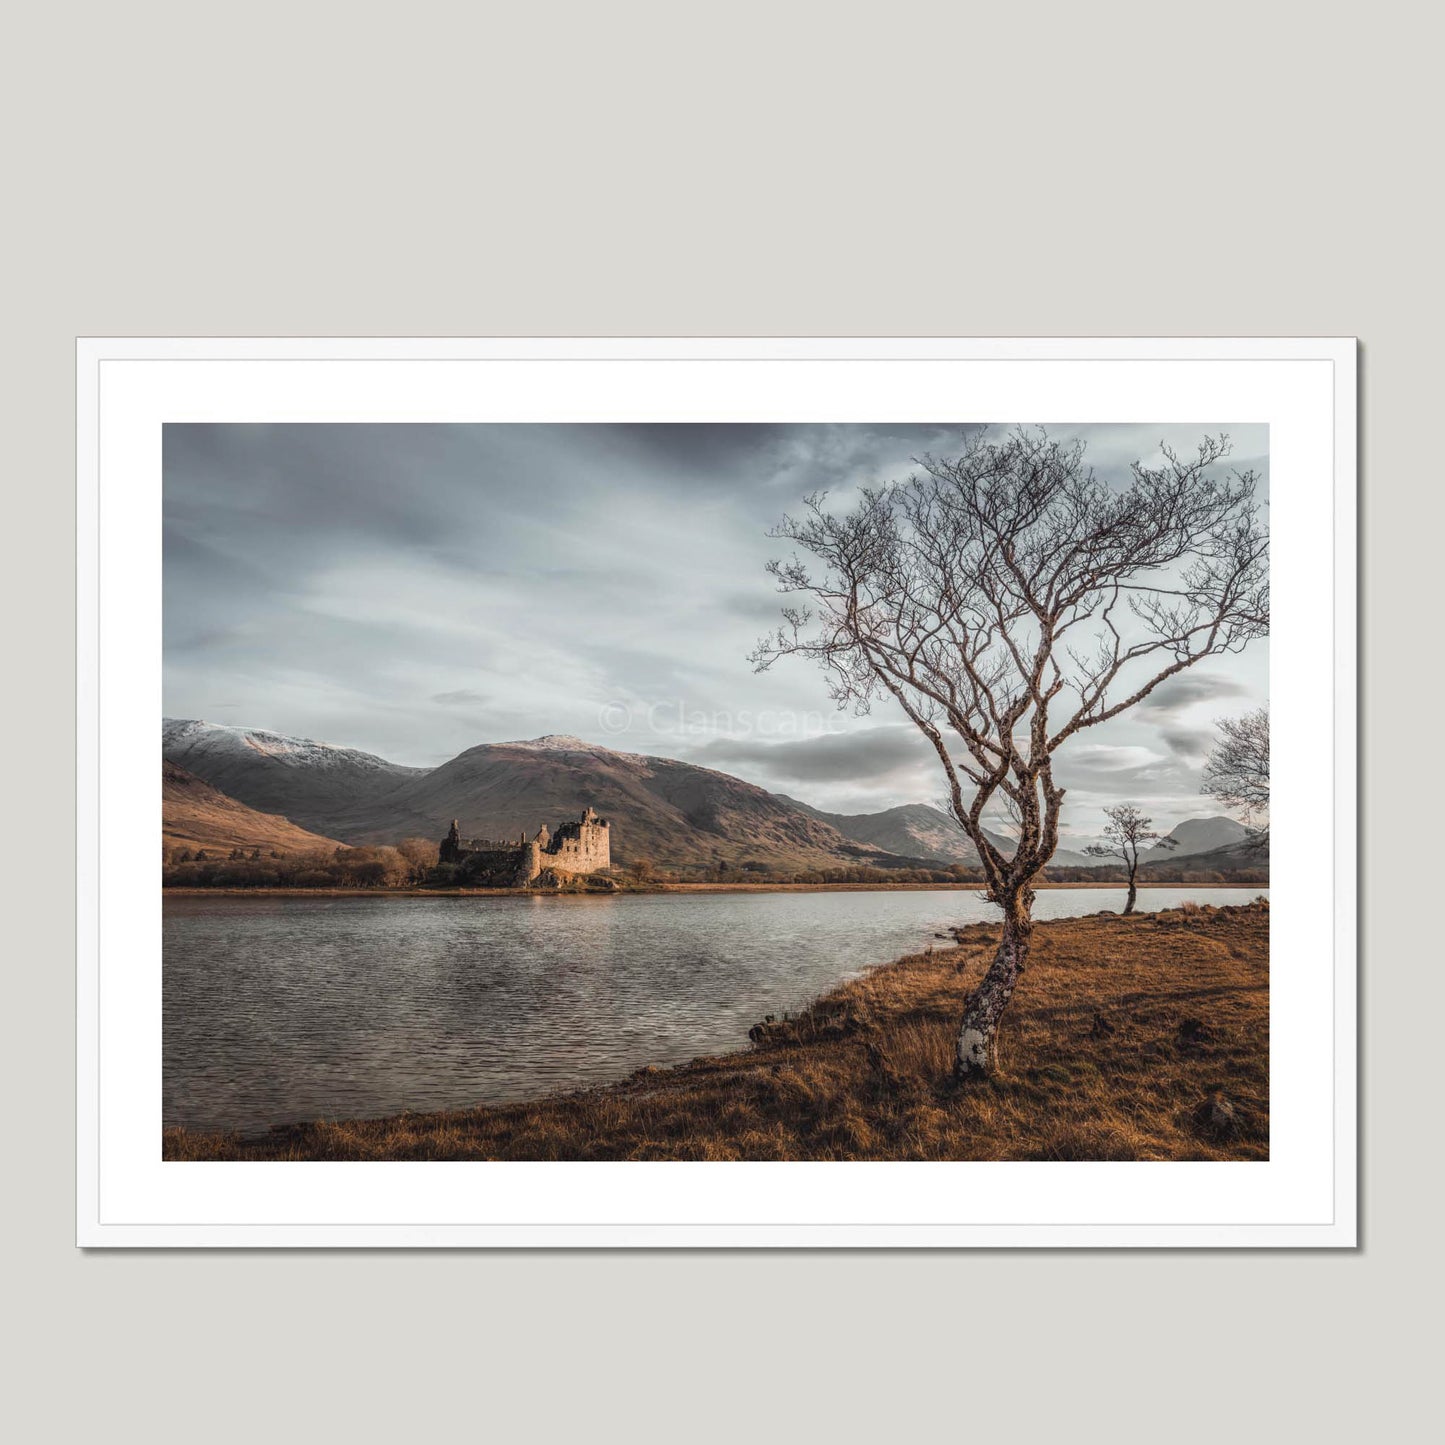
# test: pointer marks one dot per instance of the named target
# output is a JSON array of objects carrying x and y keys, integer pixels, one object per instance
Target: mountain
[
  {"x": 1200, "y": 835},
  {"x": 670, "y": 812},
  {"x": 309, "y": 782},
  {"x": 1247, "y": 856},
  {"x": 195, "y": 815},
  {"x": 919, "y": 830},
  {"x": 676, "y": 814},
  {"x": 913, "y": 830}
]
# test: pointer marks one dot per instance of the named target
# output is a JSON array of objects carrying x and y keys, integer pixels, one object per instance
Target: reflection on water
[{"x": 283, "y": 1009}]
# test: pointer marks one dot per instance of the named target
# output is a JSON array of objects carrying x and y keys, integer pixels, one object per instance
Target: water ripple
[{"x": 285, "y": 1009}]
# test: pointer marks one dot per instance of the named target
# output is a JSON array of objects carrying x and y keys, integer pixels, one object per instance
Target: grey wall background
[{"x": 655, "y": 169}]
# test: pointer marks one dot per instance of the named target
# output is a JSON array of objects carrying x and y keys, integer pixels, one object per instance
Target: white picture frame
[{"x": 1304, "y": 1195}]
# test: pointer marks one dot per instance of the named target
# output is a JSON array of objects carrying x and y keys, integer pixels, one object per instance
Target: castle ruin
[{"x": 575, "y": 849}]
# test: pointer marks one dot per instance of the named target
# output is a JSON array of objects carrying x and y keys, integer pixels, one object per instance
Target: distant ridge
[
  {"x": 919, "y": 830},
  {"x": 1200, "y": 835}
]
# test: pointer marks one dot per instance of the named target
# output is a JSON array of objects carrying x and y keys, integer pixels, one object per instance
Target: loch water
[{"x": 280, "y": 1009}]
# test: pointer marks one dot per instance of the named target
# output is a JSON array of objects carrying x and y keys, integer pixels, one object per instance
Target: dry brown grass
[{"x": 1129, "y": 1038}]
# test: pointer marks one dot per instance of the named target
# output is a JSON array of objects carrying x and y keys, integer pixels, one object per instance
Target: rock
[{"x": 1218, "y": 1115}]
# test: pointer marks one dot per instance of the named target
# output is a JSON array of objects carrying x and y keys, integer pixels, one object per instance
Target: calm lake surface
[{"x": 286, "y": 1009}]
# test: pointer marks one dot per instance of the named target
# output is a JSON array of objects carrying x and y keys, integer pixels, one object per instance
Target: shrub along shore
[
  {"x": 629, "y": 886},
  {"x": 1138, "y": 1038},
  {"x": 412, "y": 865}
]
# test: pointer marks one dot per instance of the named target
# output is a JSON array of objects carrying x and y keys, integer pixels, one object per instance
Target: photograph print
[{"x": 716, "y": 791}]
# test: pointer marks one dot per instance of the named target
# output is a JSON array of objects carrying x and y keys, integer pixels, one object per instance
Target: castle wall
[
  {"x": 505, "y": 867},
  {"x": 580, "y": 848},
  {"x": 576, "y": 848}
]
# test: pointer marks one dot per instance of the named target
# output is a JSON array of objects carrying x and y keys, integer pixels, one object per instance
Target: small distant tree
[
  {"x": 1125, "y": 832},
  {"x": 642, "y": 869},
  {"x": 1237, "y": 769},
  {"x": 1006, "y": 599}
]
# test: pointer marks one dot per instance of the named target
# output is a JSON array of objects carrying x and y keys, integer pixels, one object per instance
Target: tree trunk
[
  {"x": 977, "y": 1050},
  {"x": 1133, "y": 894}
]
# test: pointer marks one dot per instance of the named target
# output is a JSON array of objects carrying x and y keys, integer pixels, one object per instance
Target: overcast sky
[{"x": 416, "y": 590}]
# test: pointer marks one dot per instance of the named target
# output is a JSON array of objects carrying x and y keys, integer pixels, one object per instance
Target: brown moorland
[
  {"x": 1139, "y": 1038},
  {"x": 196, "y": 815}
]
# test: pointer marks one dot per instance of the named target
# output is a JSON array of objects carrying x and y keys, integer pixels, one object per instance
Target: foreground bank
[{"x": 1130, "y": 1038}]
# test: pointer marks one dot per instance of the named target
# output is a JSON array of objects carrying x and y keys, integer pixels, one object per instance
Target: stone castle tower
[{"x": 575, "y": 849}]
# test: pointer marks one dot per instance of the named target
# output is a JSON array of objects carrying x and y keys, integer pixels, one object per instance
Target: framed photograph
[{"x": 732, "y": 792}]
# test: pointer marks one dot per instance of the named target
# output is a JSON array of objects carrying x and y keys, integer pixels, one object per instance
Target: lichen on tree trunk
[{"x": 977, "y": 1048}]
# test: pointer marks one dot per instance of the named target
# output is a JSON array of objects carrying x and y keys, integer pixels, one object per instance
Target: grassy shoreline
[
  {"x": 1139, "y": 1038},
  {"x": 665, "y": 888}
]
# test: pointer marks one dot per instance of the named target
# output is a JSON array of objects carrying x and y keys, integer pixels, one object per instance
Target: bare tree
[
  {"x": 1126, "y": 829},
  {"x": 421, "y": 855},
  {"x": 1237, "y": 769},
  {"x": 1007, "y": 600}
]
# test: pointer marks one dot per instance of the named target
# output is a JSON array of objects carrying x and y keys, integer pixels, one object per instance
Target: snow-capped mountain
[
  {"x": 308, "y": 782},
  {"x": 555, "y": 743},
  {"x": 186, "y": 734}
]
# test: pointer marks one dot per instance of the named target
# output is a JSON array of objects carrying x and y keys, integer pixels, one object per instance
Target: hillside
[
  {"x": 1200, "y": 835},
  {"x": 912, "y": 830},
  {"x": 660, "y": 809},
  {"x": 195, "y": 815},
  {"x": 1246, "y": 857},
  {"x": 919, "y": 830},
  {"x": 309, "y": 782}
]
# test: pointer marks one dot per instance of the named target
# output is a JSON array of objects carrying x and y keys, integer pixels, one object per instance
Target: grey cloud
[
  {"x": 415, "y": 590},
  {"x": 1171, "y": 698},
  {"x": 460, "y": 696},
  {"x": 1187, "y": 742},
  {"x": 865, "y": 757},
  {"x": 1105, "y": 775}
]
